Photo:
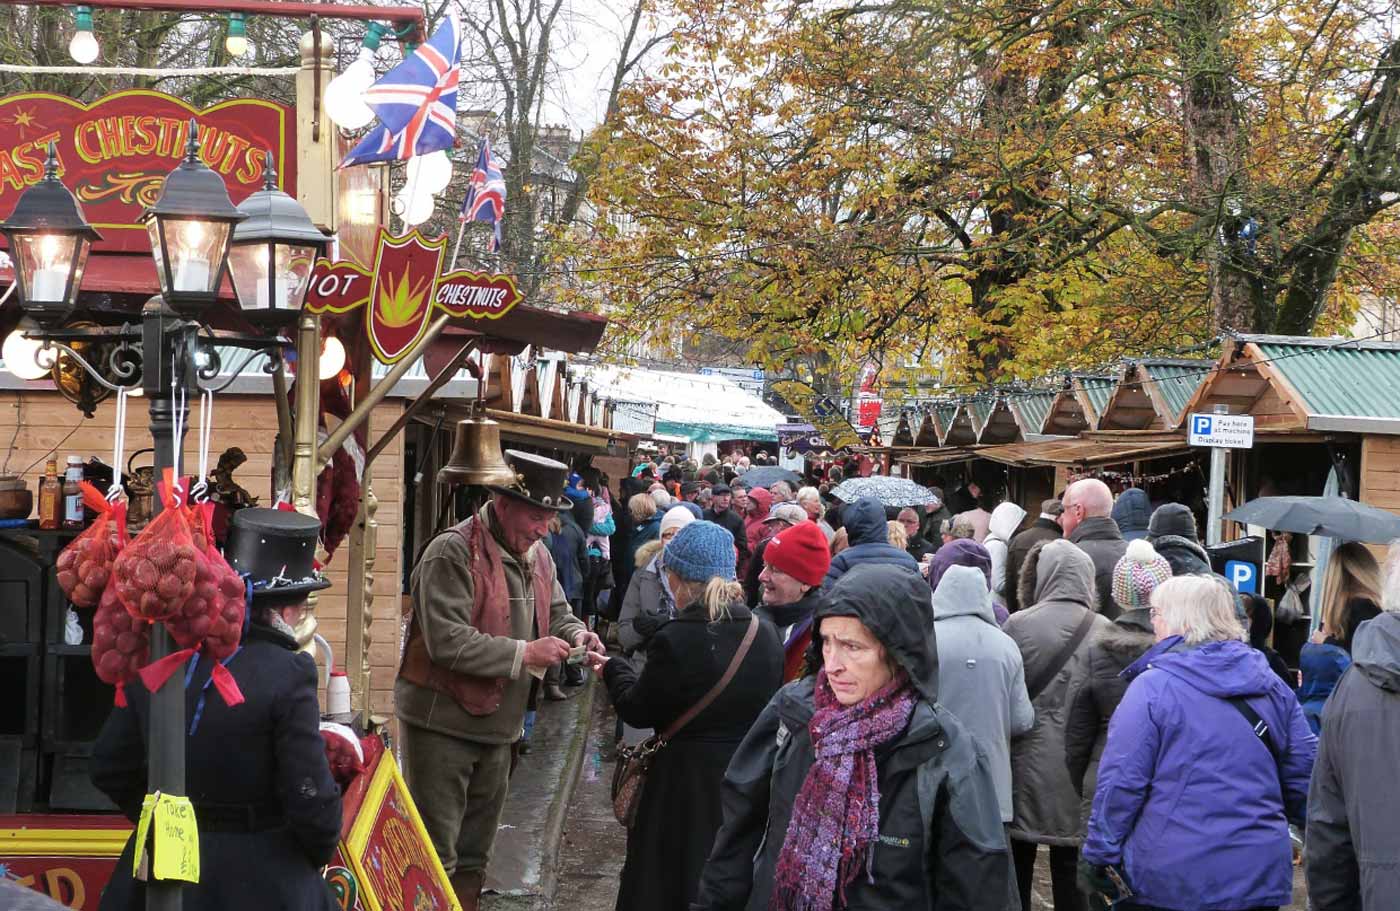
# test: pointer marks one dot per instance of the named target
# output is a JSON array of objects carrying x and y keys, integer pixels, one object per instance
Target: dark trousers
[{"x": 1063, "y": 861}]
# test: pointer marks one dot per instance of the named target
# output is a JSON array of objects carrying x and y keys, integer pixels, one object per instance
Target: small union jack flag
[
  {"x": 486, "y": 194},
  {"x": 416, "y": 102}
]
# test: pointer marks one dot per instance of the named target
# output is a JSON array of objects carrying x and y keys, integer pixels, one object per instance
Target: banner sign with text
[
  {"x": 114, "y": 154},
  {"x": 820, "y": 411},
  {"x": 404, "y": 289}
]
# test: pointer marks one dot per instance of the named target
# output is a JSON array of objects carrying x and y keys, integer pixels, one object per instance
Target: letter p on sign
[{"x": 1243, "y": 576}]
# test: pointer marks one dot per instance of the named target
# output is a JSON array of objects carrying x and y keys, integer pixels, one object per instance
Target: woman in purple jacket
[{"x": 1207, "y": 761}]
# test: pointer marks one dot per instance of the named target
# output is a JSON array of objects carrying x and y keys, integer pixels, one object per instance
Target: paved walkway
[{"x": 572, "y": 761}]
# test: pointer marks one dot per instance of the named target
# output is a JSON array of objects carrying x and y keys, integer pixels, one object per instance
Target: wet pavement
[{"x": 558, "y": 845}]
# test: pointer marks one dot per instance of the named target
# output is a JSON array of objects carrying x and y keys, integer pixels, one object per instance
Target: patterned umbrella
[{"x": 898, "y": 492}]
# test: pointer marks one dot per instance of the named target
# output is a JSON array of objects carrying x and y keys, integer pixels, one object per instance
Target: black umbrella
[
  {"x": 768, "y": 475},
  {"x": 1331, "y": 517}
]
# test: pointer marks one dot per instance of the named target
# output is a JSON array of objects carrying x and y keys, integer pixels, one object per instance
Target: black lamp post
[
  {"x": 274, "y": 250},
  {"x": 191, "y": 228},
  {"x": 49, "y": 241}
]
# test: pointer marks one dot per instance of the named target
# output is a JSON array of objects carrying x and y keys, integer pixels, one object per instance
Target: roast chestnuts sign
[{"x": 115, "y": 152}]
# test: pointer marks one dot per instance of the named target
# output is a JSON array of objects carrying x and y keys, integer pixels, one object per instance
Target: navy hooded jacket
[{"x": 868, "y": 533}]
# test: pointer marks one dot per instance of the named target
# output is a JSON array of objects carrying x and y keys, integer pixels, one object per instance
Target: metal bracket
[{"x": 125, "y": 362}]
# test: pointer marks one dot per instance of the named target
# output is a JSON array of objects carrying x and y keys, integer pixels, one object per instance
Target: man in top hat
[
  {"x": 266, "y": 807},
  {"x": 489, "y": 616}
]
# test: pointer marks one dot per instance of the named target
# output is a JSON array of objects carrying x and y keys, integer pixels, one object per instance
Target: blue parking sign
[
  {"x": 1243, "y": 576},
  {"x": 1200, "y": 424}
]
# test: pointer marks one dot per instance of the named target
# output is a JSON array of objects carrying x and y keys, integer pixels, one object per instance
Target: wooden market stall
[{"x": 1152, "y": 394}]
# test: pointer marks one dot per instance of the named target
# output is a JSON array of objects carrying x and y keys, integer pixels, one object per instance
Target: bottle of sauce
[
  {"x": 50, "y": 497},
  {"x": 73, "y": 495}
]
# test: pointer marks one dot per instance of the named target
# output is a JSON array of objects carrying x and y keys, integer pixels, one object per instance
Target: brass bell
[{"x": 476, "y": 454}]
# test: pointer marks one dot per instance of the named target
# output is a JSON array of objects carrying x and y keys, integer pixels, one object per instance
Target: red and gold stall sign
[
  {"x": 67, "y": 858},
  {"x": 404, "y": 289},
  {"x": 385, "y": 861},
  {"x": 115, "y": 152}
]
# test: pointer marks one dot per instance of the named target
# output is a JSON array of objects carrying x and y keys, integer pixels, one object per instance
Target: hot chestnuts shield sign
[{"x": 403, "y": 290}]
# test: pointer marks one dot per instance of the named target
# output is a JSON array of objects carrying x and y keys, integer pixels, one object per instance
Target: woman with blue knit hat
[{"x": 686, "y": 660}]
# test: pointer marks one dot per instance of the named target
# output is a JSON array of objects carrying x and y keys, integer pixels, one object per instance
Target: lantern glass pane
[
  {"x": 196, "y": 249},
  {"x": 247, "y": 263},
  {"x": 46, "y": 263},
  {"x": 80, "y": 260},
  {"x": 281, "y": 286},
  {"x": 294, "y": 265},
  {"x": 153, "y": 231}
]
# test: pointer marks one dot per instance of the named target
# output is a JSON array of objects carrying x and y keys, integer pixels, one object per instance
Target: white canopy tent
[{"x": 701, "y": 409}]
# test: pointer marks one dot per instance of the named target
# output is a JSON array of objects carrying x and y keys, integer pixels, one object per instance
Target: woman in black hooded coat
[{"x": 941, "y": 842}]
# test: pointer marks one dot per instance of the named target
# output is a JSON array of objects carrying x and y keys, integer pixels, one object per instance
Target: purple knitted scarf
[{"x": 836, "y": 816}]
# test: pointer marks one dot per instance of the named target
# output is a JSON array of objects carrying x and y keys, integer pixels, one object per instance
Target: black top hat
[
  {"x": 538, "y": 481},
  {"x": 275, "y": 549}
]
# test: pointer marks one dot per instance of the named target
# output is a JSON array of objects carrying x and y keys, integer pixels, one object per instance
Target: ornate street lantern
[
  {"x": 190, "y": 227},
  {"x": 274, "y": 249},
  {"x": 49, "y": 241}
]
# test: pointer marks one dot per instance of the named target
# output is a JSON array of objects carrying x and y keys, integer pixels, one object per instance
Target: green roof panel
[
  {"x": 1178, "y": 381},
  {"x": 1098, "y": 389},
  {"x": 1033, "y": 407},
  {"x": 1360, "y": 380}
]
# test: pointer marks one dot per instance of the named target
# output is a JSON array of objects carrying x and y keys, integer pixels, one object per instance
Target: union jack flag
[
  {"x": 486, "y": 194},
  {"x": 416, "y": 102}
]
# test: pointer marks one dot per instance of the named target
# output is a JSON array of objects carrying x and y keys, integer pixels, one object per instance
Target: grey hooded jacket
[
  {"x": 1057, "y": 580},
  {"x": 980, "y": 678},
  {"x": 1006, "y": 518},
  {"x": 941, "y": 845},
  {"x": 1353, "y": 836}
]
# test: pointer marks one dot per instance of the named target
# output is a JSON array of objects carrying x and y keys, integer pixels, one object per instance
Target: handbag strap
[
  {"x": 1052, "y": 670},
  {"x": 713, "y": 694}
]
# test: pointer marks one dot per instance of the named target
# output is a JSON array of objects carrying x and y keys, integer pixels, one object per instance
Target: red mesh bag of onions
[
  {"x": 213, "y": 615},
  {"x": 85, "y": 565},
  {"x": 211, "y": 619},
  {"x": 121, "y": 644},
  {"x": 155, "y": 574}
]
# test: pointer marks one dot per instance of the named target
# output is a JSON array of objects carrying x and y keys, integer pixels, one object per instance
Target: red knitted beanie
[{"x": 800, "y": 551}]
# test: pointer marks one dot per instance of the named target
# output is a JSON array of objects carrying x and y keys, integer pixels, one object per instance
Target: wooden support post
[
  {"x": 359, "y": 598},
  {"x": 304, "y": 466}
]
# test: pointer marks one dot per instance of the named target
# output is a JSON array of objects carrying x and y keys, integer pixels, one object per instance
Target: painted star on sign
[{"x": 23, "y": 119}]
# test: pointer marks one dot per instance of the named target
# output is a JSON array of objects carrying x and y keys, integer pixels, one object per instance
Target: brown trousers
[{"x": 460, "y": 787}]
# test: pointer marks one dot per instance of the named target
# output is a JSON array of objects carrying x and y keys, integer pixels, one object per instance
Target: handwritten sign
[
  {"x": 176, "y": 840},
  {"x": 167, "y": 826}
]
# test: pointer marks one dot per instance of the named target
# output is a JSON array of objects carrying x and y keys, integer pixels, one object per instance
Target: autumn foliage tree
[{"x": 1011, "y": 186}]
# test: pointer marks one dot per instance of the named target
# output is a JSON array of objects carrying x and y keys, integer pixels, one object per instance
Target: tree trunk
[{"x": 1215, "y": 150}]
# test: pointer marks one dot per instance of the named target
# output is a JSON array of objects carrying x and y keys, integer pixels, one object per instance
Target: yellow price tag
[
  {"x": 143, "y": 828},
  {"x": 176, "y": 840}
]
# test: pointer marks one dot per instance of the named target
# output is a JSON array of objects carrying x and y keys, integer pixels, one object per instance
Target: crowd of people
[{"x": 846, "y": 705}]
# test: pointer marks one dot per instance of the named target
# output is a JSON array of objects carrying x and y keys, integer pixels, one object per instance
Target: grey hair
[
  {"x": 1390, "y": 579},
  {"x": 808, "y": 493},
  {"x": 1198, "y": 608}
]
